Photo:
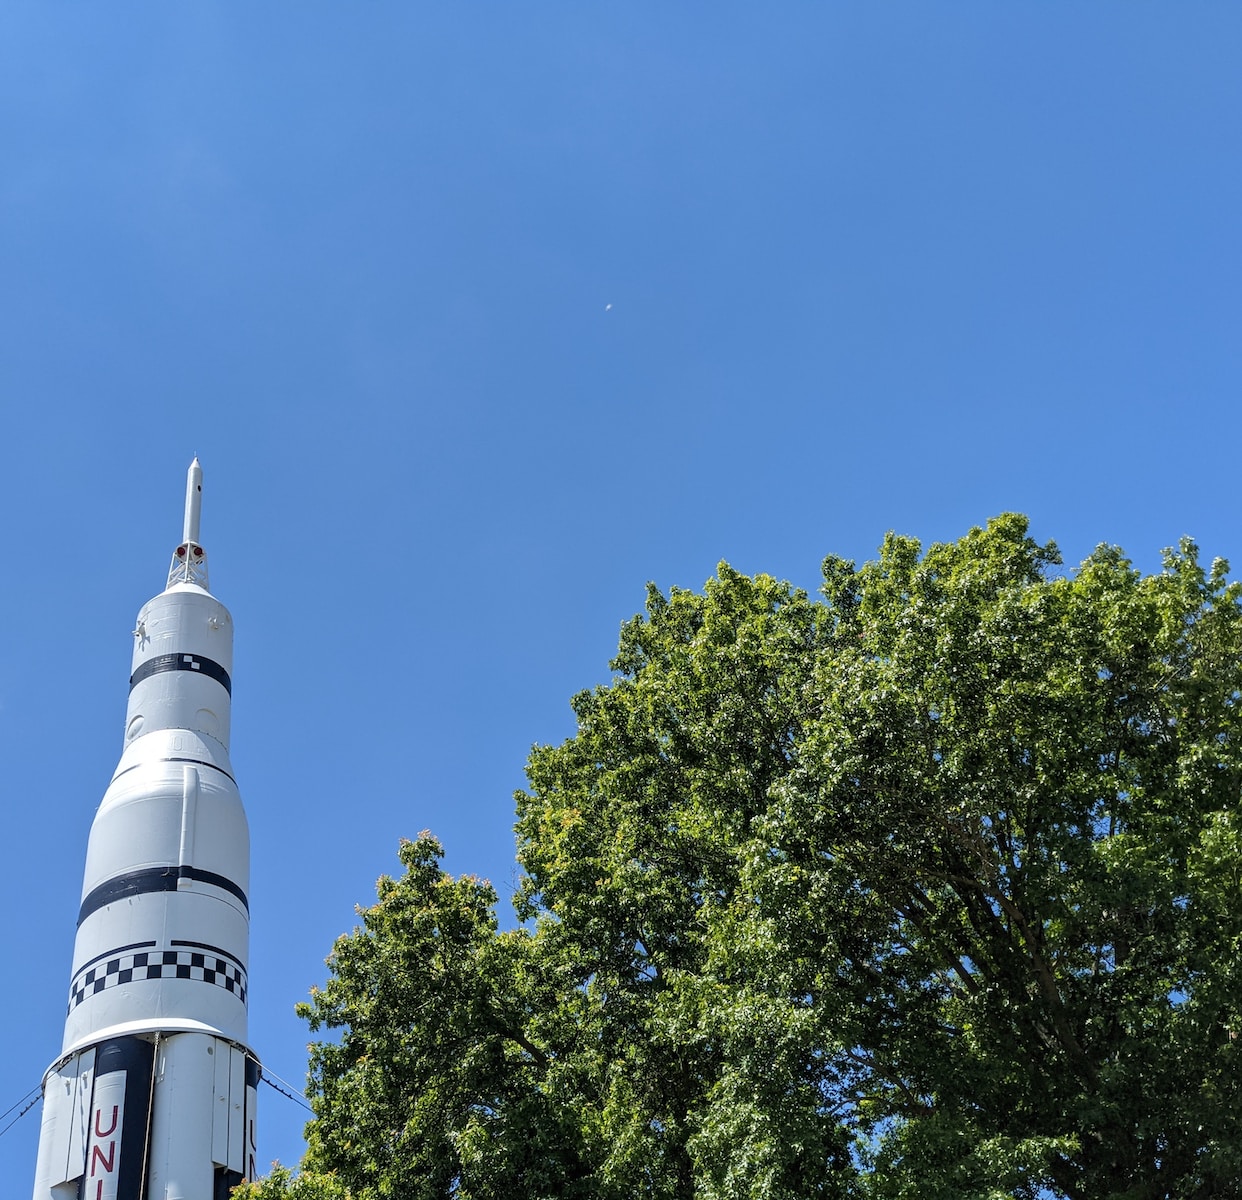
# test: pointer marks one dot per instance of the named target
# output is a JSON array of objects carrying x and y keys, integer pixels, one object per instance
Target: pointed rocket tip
[
  {"x": 193, "y": 501},
  {"x": 189, "y": 563}
]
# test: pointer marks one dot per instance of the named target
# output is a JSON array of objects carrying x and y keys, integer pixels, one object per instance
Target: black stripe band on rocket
[
  {"x": 90, "y": 962},
  {"x": 153, "y": 879},
  {"x": 182, "y": 662}
]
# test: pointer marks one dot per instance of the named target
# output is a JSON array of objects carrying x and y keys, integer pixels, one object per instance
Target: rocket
[{"x": 153, "y": 1096}]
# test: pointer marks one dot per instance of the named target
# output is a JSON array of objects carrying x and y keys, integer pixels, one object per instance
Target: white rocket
[{"x": 153, "y": 1095}]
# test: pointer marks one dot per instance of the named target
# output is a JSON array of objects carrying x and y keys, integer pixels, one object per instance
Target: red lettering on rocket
[
  {"x": 97, "y": 1156},
  {"x": 104, "y": 1132}
]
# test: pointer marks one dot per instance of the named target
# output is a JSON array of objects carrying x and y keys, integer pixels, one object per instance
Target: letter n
[{"x": 97, "y": 1153}]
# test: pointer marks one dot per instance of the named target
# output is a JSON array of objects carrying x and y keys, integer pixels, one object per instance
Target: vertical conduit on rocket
[{"x": 153, "y": 1096}]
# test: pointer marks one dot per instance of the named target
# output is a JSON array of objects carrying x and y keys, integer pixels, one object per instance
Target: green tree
[
  {"x": 635, "y": 839},
  {"x": 432, "y": 1088},
  {"x": 1028, "y": 789},
  {"x": 932, "y": 888},
  {"x": 282, "y": 1184}
]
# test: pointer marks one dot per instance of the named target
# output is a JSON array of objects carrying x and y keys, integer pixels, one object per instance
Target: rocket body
[{"x": 154, "y": 1094}]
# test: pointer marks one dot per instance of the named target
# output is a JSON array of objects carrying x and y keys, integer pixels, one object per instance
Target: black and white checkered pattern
[{"x": 200, "y": 965}]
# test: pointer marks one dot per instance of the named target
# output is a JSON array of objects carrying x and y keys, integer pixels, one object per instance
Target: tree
[
  {"x": 282, "y": 1184},
  {"x": 431, "y": 1090},
  {"x": 931, "y": 888}
]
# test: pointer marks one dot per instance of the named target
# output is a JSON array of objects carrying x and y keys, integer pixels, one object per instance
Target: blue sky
[{"x": 480, "y": 318}]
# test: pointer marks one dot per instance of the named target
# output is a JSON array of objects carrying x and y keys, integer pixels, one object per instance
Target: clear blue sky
[{"x": 481, "y": 317}]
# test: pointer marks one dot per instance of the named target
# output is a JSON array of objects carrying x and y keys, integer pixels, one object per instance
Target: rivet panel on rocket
[{"x": 155, "y": 1027}]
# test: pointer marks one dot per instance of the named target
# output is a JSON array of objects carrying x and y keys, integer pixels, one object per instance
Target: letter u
[{"x": 104, "y": 1132}]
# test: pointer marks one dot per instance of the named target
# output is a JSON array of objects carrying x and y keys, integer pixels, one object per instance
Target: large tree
[{"x": 929, "y": 888}]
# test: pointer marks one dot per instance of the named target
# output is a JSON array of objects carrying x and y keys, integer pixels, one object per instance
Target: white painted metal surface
[{"x": 160, "y": 960}]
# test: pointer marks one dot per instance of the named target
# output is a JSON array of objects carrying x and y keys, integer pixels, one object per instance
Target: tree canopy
[{"x": 930, "y": 887}]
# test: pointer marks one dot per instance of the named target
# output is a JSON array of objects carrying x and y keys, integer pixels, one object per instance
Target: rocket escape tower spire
[
  {"x": 154, "y": 1094},
  {"x": 189, "y": 561}
]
